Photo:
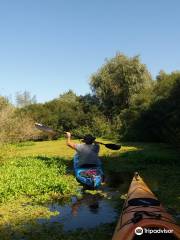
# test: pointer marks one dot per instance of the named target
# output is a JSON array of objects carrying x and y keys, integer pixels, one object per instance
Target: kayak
[
  {"x": 89, "y": 175},
  {"x": 143, "y": 216}
]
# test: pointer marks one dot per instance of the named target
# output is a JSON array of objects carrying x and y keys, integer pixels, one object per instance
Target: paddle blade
[
  {"x": 112, "y": 146},
  {"x": 44, "y": 128}
]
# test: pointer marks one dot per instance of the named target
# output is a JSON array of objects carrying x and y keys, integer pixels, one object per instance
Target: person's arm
[{"x": 69, "y": 142}]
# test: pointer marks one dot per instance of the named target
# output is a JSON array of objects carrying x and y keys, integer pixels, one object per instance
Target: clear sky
[{"x": 50, "y": 46}]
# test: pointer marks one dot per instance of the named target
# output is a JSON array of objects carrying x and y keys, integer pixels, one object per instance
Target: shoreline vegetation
[{"x": 124, "y": 103}]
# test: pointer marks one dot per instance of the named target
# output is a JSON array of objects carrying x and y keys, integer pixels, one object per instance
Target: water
[
  {"x": 92, "y": 209},
  {"x": 88, "y": 212}
]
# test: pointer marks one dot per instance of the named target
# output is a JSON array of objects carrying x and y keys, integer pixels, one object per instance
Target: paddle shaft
[
  {"x": 44, "y": 128},
  {"x": 100, "y": 143}
]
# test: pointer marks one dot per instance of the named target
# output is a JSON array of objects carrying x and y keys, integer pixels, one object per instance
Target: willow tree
[{"x": 118, "y": 81}]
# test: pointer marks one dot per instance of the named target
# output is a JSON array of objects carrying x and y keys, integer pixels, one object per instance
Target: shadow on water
[{"x": 117, "y": 179}]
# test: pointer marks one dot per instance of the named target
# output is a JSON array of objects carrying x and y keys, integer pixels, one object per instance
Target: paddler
[{"x": 87, "y": 152}]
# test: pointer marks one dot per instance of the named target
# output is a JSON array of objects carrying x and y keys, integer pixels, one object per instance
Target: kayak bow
[{"x": 143, "y": 216}]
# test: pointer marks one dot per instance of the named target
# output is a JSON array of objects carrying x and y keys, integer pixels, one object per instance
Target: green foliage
[
  {"x": 36, "y": 178},
  {"x": 164, "y": 84},
  {"x": 68, "y": 96},
  {"x": 163, "y": 116},
  {"x": 125, "y": 103},
  {"x": 120, "y": 84},
  {"x": 117, "y": 81},
  {"x": 70, "y": 113},
  {"x": 156, "y": 118}
]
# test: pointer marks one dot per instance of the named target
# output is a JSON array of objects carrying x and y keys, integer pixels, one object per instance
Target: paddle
[
  {"x": 44, "y": 128},
  {"x": 111, "y": 146}
]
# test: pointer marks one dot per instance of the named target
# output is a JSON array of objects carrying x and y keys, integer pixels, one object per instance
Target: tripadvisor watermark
[{"x": 140, "y": 230}]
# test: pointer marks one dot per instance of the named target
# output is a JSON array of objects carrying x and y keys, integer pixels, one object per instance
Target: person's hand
[{"x": 68, "y": 134}]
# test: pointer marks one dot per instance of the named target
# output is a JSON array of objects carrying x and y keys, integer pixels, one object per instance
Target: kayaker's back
[{"x": 87, "y": 154}]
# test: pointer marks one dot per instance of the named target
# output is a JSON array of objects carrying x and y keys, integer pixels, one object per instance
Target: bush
[{"x": 15, "y": 127}]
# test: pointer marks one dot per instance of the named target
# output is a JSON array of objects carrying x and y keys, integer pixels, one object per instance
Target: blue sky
[{"x": 50, "y": 46}]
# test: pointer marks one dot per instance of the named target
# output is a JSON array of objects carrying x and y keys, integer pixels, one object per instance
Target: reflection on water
[
  {"x": 92, "y": 209},
  {"x": 88, "y": 212},
  {"x": 90, "y": 201}
]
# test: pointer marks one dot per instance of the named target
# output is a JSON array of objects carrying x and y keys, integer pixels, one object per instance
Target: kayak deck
[{"x": 143, "y": 216}]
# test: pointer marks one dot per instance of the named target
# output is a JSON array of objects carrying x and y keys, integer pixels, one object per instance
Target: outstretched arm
[{"x": 69, "y": 142}]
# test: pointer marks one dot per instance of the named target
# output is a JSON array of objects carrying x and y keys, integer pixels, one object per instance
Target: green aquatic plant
[{"x": 34, "y": 178}]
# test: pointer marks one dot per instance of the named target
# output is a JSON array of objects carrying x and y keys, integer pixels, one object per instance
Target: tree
[
  {"x": 24, "y": 99},
  {"x": 164, "y": 84},
  {"x": 15, "y": 126},
  {"x": 68, "y": 96},
  {"x": 117, "y": 81},
  {"x": 160, "y": 121}
]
